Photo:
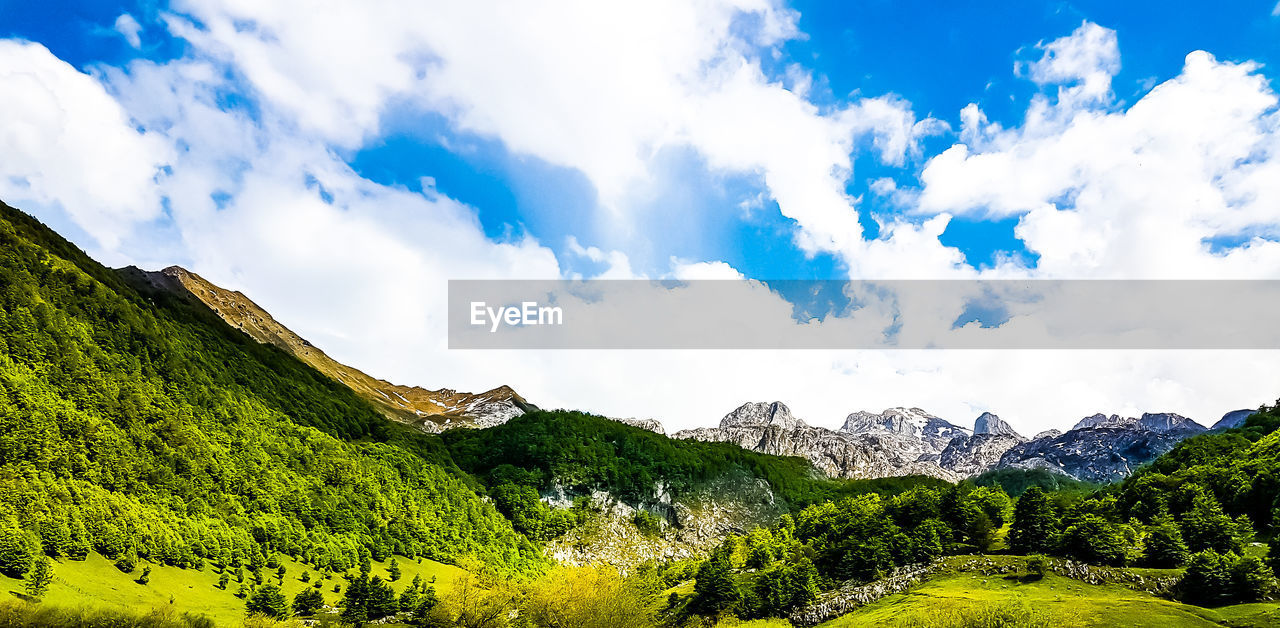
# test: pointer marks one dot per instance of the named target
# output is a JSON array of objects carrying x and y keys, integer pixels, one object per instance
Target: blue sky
[
  {"x": 938, "y": 57},
  {"x": 340, "y": 165}
]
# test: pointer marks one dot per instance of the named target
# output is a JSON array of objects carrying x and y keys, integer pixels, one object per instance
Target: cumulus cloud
[
  {"x": 601, "y": 88},
  {"x": 67, "y": 145},
  {"x": 261, "y": 201},
  {"x": 1143, "y": 192}
]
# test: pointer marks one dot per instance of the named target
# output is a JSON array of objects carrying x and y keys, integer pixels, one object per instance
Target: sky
[{"x": 340, "y": 162}]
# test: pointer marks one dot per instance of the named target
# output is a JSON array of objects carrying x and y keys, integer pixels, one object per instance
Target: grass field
[
  {"x": 967, "y": 599},
  {"x": 96, "y": 582}
]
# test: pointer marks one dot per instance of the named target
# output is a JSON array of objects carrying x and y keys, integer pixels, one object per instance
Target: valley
[{"x": 169, "y": 450}]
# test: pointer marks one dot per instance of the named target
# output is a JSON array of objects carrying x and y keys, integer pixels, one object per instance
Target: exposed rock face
[
  {"x": 1235, "y": 418},
  {"x": 889, "y": 447},
  {"x": 653, "y": 425},
  {"x": 692, "y": 523},
  {"x": 988, "y": 423},
  {"x": 1168, "y": 422},
  {"x": 430, "y": 410},
  {"x": 1100, "y": 454},
  {"x": 915, "y": 423},
  {"x": 762, "y": 414},
  {"x": 1102, "y": 420},
  {"x": 1047, "y": 434},
  {"x": 973, "y": 455}
]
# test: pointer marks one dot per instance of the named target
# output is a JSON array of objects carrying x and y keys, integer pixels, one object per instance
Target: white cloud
[
  {"x": 1086, "y": 59},
  {"x": 363, "y": 275},
  {"x": 67, "y": 144},
  {"x": 688, "y": 271},
  {"x": 130, "y": 29},
  {"x": 1132, "y": 193},
  {"x": 599, "y": 87}
]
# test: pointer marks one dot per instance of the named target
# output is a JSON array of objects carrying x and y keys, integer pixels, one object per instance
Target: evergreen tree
[
  {"x": 269, "y": 601},
  {"x": 714, "y": 588},
  {"x": 307, "y": 602},
  {"x": 39, "y": 577},
  {"x": 15, "y": 551},
  {"x": 381, "y": 599},
  {"x": 145, "y": 576},
  {"x": 1034, "y": 525},
  {"x": 393, "y": 570},
  {"x": 223, "y": 580},
  {"x": 355, "y": 609}
]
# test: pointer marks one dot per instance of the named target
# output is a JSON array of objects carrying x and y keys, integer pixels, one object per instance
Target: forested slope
[{"x": 143, "y": 428}]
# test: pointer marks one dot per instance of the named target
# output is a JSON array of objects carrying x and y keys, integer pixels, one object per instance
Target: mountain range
[
  {"x": 910, "y": 441},
  {"x": 896, "y": 442}
]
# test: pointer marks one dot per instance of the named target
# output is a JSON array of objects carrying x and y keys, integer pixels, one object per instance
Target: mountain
[
  {"x": 762, "y": 414},
  {"x": 915, "y": 423},
  {"x": 1102, "y": 448},
  {"x": 1235, "y": 418},
  {"x": 988, "y": 423},
  {"x": 430, "y": 410},
  {"x": 891, "y": 446},
  {"x": 143, "y": 427}
]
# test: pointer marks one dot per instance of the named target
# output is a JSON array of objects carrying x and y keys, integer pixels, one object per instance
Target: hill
[
  {"x": 430, "y": 410},
  {"x": 145, "y": 428}
]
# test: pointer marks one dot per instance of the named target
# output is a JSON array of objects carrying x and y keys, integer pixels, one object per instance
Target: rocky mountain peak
[
  {"x": 988, "y": 423},
  {"x": 762, "y": 414},
  {"x": 906, "y": 421},
  {"x": 1168, "y": 422},
  {"x": 1101, "y": 420}
]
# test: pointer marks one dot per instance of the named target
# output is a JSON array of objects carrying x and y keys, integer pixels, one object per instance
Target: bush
[
  {"x": 648, "y": 523},
  {"x": 1214, "y": 579}
]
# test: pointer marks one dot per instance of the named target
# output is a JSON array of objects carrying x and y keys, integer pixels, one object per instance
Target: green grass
[
  {"x": 968, "y": 599},
  {"x": 95, "y": 582}
]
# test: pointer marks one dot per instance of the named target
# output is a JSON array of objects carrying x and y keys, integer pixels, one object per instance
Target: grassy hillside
[
  {"x": 95, "y": 582},
  {"x": 969, "y": 599}
]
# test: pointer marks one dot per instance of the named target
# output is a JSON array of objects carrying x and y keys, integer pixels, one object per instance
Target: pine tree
[
  {"x": 307, "y": 602},
  {"x": 714, "y": 586},
  {"x": 39, "y": 577},
  {"x": 15, "y": 551},
  {"x": 269, "y": 601},
  {"x": 393, "y": 570},
  {"x": 223, "y": 580}
]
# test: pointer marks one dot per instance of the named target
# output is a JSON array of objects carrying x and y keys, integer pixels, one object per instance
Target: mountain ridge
[{"x": 429, "y": 410}]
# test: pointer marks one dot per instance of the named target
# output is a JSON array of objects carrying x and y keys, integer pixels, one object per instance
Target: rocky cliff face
[
  {"x": 914, "y": 423},
  {"x": 1102, "y": 448},
  {"x": 973, "y": 455},
  {"x": 691, "y": 525},
  {"x": 988, "y": 423},
  {"x": 896, "y": 442},
  {"x": 430, "y": 410}
]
